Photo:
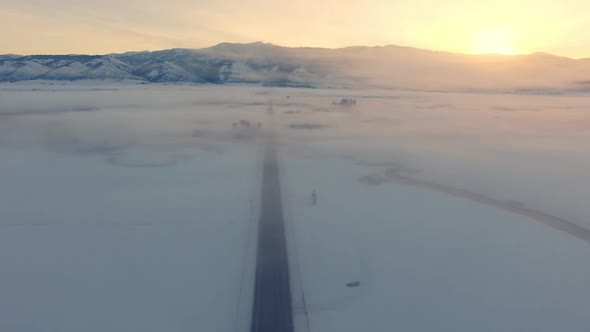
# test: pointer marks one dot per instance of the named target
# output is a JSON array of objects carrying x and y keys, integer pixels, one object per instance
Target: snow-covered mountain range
[{"x": 260, "y": 63}]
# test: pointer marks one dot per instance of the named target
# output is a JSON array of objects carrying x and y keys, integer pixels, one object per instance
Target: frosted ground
[{"x": 127, "y": 207}]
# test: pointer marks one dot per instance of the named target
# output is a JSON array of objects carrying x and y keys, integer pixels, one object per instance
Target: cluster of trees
[{"x": 345, "y": 101}]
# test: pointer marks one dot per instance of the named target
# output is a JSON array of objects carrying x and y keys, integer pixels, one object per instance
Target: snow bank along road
[{"x": 272, "y": 294}]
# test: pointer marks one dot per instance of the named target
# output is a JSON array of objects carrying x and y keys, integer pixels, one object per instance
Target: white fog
[{"x": 133, "y": 207}]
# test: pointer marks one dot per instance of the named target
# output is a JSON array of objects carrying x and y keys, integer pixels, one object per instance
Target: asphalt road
[{"x": 272, "y": 293}]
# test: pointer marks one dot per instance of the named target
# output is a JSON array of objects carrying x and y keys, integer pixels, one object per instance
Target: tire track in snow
[{"x": 565, "y": 226}]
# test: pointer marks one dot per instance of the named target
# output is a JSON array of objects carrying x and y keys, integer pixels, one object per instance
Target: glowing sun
[{"x": 495, "y": 40}]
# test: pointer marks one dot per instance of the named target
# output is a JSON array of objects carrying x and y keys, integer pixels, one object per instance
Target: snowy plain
[
  {"x": 427, "y": 259},
  {"x": 121, "y": 217},
  {"x": 128, "y": 207}
]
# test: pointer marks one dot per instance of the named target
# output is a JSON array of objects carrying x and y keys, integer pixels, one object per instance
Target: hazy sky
[{"x": 467, "y": 26}]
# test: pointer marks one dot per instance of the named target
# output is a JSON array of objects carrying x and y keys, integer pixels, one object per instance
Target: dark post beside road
[{"x": 272, "y": 293}]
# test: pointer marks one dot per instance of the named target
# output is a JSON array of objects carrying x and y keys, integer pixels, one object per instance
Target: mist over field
[{"x": 128, "y": 206}]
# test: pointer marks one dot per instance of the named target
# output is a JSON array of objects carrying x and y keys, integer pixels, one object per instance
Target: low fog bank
[
  {"x": 466, "y": 208},
  {"x": 510, "y": 147},
  {"x": 146, "y": 196},
  {"x": 127, "y": 209},
  {"x": 129, "y": 125},
  {"x": 513, "y": 147}
]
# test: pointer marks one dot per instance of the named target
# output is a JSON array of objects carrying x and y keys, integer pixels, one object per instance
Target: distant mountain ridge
[{"x": 261, "y": 63}]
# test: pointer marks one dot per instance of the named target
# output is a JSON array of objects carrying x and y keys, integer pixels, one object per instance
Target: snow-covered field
[
  {"x": 443, "y": 207},
  {"x": 128, "y": 207},
  {"x": 121, "y": 217}
]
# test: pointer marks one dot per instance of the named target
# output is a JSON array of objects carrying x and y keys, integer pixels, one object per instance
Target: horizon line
[{"x": 301, "y": 47}]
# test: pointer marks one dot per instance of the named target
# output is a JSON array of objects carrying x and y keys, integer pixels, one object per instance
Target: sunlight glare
[{"x": 495, "y": 40}]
